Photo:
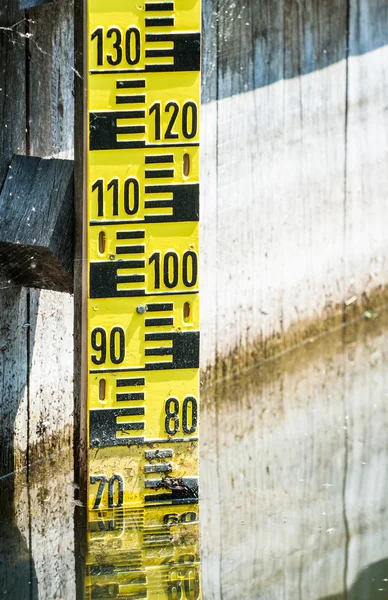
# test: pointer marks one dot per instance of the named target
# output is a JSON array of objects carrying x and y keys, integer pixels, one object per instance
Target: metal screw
[
  {"x": 112, "y": 256},
  {"x": 141, "y": 309}
]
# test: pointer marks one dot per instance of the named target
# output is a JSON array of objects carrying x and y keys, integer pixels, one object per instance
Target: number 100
[{"x": 171, "y": 269}]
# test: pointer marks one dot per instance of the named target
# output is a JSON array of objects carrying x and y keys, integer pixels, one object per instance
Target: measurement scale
[{"x": 143, "y": 102}]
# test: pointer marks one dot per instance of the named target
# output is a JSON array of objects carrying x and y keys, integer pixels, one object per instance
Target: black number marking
[
  {"x": 100, "y": 491},
  {"x": 132, "y": 38},
  {"x": 174, "y": 518},
  {"x": 116, "y": 345},
  {"x": 171, "y": 269},
  {"x": 191, "y": 584},
  {"x": 117, "y": 359},
  {"x": 170, "y": 135},
  {"x": 131, "y": 196},
  {"x": 189, "y": 576},
  {"x": 190, "y": 108},
  {"x": 115, "y": 479},
  {"x": 189, "y": 403},
  {"x": 174, "y": 589},
  {"x": 114, "y": 31},
  {"x": 129, "y": 202},
  {"x": 190, "y": 257},
  {"x": 98, "y": 341},
  {"x": 114, "y": 184},
  {"x": 155, "y": 108},
  {"x": 132, "y": 45},
  {"x": 172, "y": 414},
  {"x": 99, "y": 186},
  {"x": 155, "y": 258},
  {"x": 98, "y": 34},
  {"x": 188, "y": 120},
  {"x": 111, "y": 491},
  {"x": 189, "y": 415}
]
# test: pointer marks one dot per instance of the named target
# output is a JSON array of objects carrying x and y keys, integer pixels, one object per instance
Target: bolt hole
[
  {"x": 102, "y": 389},
  {"x": 101, "y": 242},
  {"x": 186, "y": 164},
  {"x": 186, "y": 311}
]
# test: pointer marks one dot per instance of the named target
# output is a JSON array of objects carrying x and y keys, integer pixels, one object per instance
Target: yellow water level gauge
[{"x": 143, "y": 104}]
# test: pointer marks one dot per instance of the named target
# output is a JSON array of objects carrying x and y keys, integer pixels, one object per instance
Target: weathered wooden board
[
  {"x": 44, "y": 514},
  {"x": 13, "y": 303},
  {"x": 295, "y": 217},
  {"x": 36, "y": 328},
  {"x": 293, "y": 476},
  {"x": 366, "y": 207},
  {"x": 51, "y": 131},
  {"x": 36, "y": 226},
  {"x": 279, "y": 166},
  {"x": 14, "y": 552}
]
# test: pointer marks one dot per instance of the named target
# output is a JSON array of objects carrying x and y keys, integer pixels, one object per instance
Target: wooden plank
[
  {"x": 36, "y": 227},
  {"x": 51, "y": 95},
  {"x": 208, "y": 179},
  {"x": 14, "y": 393},
  {"x": 51, "y": 131},
  {"x": 13, "y": 313},
  {"x": 44, "y": 511},
  {"x": 280, "y": 159},
  {"x": 51, "y": 127},
  {"x": 274, "y": 521},
  {"x": 367, "y": 152},
  {"x": 31, "y": 3},
  {"x": 365, "y": 478}
]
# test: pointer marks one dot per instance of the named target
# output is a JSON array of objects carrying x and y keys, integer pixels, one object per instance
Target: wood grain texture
[
  {"x": 51, "y": 130},
  {"x": 14, "y": 391},
  {"x": 280, "y": 171},
  {"x": 36, "y": 227},
  {"x": 44, "y": 515},
  {"x": 366, "y": 207},
  {"x": 51, "y": 134},
  {"x": 25, "y": 4},
  {"x": 13, "y": 304},
  {"x": 290, "y": 455},
  {"x": 51, "y": 84}
]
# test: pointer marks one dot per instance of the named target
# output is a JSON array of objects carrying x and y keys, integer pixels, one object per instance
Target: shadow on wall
[
  {"x": 372, "y": 583},
  {"x": 259, "y": 42}
]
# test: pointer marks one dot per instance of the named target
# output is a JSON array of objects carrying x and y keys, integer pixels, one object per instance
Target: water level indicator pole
[{"x": 142, "y": 79}]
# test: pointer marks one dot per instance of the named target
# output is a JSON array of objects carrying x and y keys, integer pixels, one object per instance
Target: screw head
[{"x": 141, "y": 309}]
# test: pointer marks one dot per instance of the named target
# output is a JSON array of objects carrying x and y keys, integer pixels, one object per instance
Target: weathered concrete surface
[{"x": 293, "y": 471}]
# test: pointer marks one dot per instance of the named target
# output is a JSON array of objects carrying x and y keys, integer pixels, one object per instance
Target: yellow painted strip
[{"x": 143, "y": 99}]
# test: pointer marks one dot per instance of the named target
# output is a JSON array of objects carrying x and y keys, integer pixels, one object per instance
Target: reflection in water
[
  {"x": 293, "y": 484},
  {"x": 17, "y": 569},
  {"x": 37, "y": 531},
  {"x": 294, "y": 472},
  {"x": 371, "y": 584}
]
